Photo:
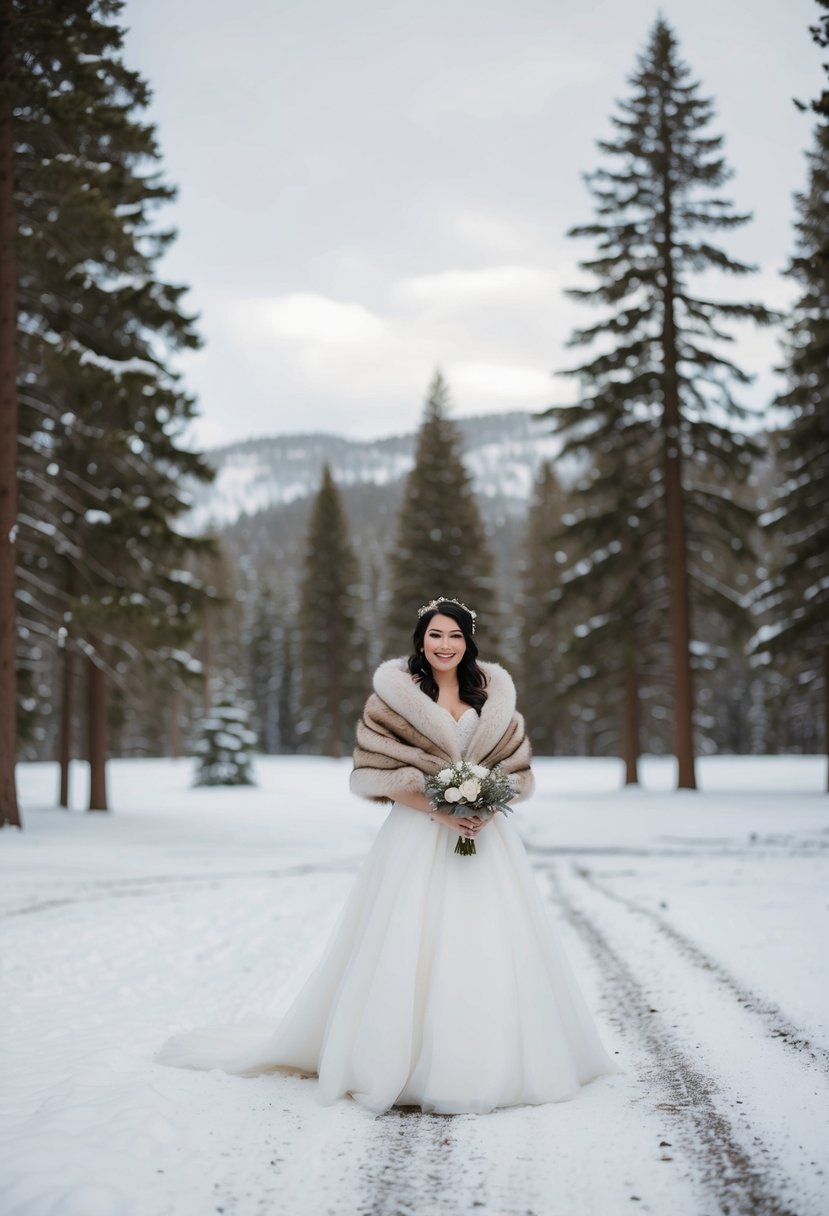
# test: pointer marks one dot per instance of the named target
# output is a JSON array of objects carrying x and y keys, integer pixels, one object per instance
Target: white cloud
[
  {"x": 306, "y": 317},
  {"x": 509, "y": 385},
  {"x": 497, "y": 331},
  {"x": 489, "y": 329}
]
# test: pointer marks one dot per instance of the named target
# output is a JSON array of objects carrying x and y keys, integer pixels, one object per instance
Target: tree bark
[
  {"x": 826, "y": 707},
  {"x": 335, "y": 721},
  {"x": 677, "y": 553},
  {"x": 207, "y": 659},
  {"x": 9, "y": 811},
  {"x": 630, "y": 726},
  {"x": 66, "y": 712},
  {"x": 175, "y": 724},
  {"x": 96, "y": 736}
]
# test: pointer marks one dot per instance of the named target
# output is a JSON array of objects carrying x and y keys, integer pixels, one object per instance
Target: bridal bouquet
[{"x": 470, "y": 789}]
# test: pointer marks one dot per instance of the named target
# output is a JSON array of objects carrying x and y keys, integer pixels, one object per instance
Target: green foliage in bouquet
[{"x": 470, "y": 789}]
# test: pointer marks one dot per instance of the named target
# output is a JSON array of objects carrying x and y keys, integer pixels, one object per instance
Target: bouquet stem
[{"x": 465, "y": 847}]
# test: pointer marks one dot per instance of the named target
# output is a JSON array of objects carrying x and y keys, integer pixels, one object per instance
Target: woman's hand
[
  {"x": 481, "y": 821},
  {"x": 465, "y": 825}
]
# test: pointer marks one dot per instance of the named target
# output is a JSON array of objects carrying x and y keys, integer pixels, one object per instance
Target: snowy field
[{"x": 697, "y": 924}]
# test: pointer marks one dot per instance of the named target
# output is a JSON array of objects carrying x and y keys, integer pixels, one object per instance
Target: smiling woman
[{"x": 443, "y": 984}]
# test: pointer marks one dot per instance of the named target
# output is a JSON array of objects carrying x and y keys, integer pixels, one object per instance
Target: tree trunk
[
  {"x": 175, "y": 724},
  {"x": 207, "y": 659},
  {"x": 826, "y": 707},
  {"x": 65, "y": 736},
  {"x": 588, "y": 737},
  {"x": 9, "y": 812},
  {"x": 630, "y": 726},
  {"x": 680, "y": 613},
  {"x": 96, "y": 736},
  {"x": 335, "y": 720},
  {"x": 287, "y": 737}
]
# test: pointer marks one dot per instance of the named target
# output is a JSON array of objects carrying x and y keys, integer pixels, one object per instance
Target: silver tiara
[{"x": 445, "y": 599}]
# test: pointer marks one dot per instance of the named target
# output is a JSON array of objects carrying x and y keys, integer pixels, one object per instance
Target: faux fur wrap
[{"x": 404, "y": 736}]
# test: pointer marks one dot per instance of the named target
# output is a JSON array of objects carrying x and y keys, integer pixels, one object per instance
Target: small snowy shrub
[{"x": 226, "y": 742}]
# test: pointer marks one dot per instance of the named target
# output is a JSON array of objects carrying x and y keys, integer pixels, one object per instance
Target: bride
[{"x": 443, "y": 985}]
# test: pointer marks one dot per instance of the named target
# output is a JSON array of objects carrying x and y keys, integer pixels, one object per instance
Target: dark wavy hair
[{"x": 471, "y": 680}]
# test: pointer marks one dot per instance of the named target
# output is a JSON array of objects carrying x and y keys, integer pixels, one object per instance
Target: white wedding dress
[{"x": 442, "y": 986}]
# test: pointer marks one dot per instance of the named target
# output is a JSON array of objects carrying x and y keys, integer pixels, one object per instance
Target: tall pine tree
[
  {"x": 100, "y": 412},
  {"x": 441, "y": 546},
  {"x": 796, "y": 600},
  {"x": 660, "y": 369},
  {"x": 331, "y": 648}
]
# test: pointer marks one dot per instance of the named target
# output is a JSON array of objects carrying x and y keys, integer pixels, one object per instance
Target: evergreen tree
[
  {"x": 131, "y": 592},
  {"x": 796, "y": 599},
  {"x": 441, "y": 546},
  {"x": 660, "y": 371},
  {"x": 224, "y": 748},
  {"x": 612, "y": 591},
  {"x": 542, "y": 627},
  {"x": 100, "y": 412},
  {"x": 331, "y": 650}
]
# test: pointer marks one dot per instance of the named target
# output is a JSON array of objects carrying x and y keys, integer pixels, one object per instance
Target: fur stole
[{"x": 403, "y": 735}]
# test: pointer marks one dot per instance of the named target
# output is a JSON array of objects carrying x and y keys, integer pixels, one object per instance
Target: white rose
[
  {"x": 445, "y": 774},
  {"x": 452, "y": 794},
  {"x": 470, "y": 789},
  {"x": 479, "y": 770}
]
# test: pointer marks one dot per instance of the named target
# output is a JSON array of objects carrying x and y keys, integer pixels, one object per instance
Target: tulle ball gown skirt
[{"x": 442, "y": 986}]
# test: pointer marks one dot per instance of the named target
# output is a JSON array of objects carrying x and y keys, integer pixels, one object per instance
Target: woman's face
[{"x": 443, "y": 643}]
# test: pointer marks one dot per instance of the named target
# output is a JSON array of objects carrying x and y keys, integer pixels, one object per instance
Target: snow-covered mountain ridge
[{"x": 503, "y": 453}]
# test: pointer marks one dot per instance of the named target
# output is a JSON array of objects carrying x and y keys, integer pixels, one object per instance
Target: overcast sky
[{"x": 370, "y": 190}]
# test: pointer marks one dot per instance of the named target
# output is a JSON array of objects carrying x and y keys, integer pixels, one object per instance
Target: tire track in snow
[
  {"x": 780, "y": 1028},
  {"x": 416, "y": 1168},
  {"x": 737, "y": 1182},
  {"x": 763, "y": 847},
  {"x": 152, "y": 884}
]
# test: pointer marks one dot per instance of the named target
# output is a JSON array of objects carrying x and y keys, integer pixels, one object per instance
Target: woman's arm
[{"x": 417, "y": 802}]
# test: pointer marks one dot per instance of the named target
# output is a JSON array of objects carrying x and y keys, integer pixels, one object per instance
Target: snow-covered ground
[{"x": 697, "y": 924}]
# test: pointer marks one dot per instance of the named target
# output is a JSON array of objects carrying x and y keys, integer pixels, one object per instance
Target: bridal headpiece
[{"x": 445, "y": 599}]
